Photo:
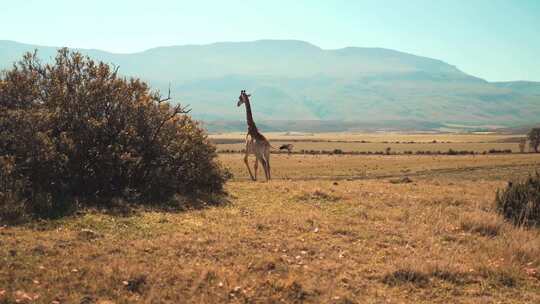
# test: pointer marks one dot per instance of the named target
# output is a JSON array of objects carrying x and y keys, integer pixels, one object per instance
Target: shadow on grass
[
  {"x": 20, "y": 214},
  {"x": 179, "y": 203},
  {"x": 423, "y": 279}
]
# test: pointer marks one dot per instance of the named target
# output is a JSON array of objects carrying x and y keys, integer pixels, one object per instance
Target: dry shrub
[
  {"x": 520, "y": 201},
  {"x": 74, "y": 130}
]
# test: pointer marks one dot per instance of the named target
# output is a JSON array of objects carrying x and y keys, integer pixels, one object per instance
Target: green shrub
[
  {"x": 520, "y": 201},
  {"x": 75, "y": 130}
]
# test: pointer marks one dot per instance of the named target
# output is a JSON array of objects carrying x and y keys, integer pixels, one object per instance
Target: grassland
[
  {"x": 376, "y": 137},
  {"x": 327, "y": 229},
  {"x": 350, "y": 167},
  {"x": 378, "y": 142}
]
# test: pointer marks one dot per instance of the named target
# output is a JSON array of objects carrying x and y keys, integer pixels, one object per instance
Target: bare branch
[
  {"x": 168, "y": 95},
  {"x": 115, "y": 72},
  {"x": 185, "y": 110},
  {"x": 178, "y": 109}
]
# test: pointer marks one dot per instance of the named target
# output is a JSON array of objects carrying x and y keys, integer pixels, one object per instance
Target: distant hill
[{"x": 296, "y": 81}]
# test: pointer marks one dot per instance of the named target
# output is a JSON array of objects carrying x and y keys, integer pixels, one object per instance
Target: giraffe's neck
[{"x": 252, "y": 128}]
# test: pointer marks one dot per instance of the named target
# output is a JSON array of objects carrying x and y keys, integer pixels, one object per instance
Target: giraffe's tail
[{"x": 272, "y": 147}]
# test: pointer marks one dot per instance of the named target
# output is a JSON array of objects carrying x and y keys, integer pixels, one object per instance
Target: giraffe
[{"x": 256, "y": 143}]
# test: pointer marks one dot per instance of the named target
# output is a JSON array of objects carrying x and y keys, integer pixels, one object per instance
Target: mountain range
[{"x": 294, "y": 81}]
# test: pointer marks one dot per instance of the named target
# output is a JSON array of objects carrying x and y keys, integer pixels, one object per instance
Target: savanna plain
[{"x": 396, "y": 228}]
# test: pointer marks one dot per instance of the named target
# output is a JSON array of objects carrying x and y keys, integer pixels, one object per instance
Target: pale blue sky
[{"x": 492, "y": 39}]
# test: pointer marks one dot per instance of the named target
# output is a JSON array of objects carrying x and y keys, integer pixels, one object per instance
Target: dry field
[
  {"x": 375, "y": 142},
  {"x": 328, "y": 229},
  {"x": 374, "y": 137},
  {"x": 336, "y": 167}
]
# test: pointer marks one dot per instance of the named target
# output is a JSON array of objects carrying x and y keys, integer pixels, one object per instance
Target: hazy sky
[{"x": 492, "y": 39}]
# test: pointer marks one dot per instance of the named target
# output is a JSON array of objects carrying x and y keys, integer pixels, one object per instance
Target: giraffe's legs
[
  {"x": 256, "y": 166},
  {"x": 262, "y": 152},
  {"x": 247, "y": 165},
  {"x": 265, "y": 167},
  {"x": 266, "y": 157},
  {"x": 268, "y": 166}
]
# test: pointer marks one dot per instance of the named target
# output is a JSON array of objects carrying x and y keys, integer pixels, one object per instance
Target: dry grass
[
  {"x": 376, "y": 142},
  {"x": 304, "y": 167},
  {"x": 375, "y": 137},
  {"x": 483, "y": 223},
  {"x": 319, "y": 238}
]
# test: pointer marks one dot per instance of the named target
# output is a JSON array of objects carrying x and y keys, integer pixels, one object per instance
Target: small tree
[{"x": 534, "y": 139}]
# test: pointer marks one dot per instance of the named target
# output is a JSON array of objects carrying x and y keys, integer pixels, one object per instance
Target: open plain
[
  {"x": 378, "y": 142},
  {"x": 326, "y": 229}
]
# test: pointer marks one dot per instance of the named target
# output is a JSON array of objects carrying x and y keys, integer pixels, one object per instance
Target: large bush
[
  {"x": 520, "y": 201},
  {"x": 75, "y": 130}
]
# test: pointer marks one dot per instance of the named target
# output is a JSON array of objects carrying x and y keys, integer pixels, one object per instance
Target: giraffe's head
[{"x": 243, "y": 98}]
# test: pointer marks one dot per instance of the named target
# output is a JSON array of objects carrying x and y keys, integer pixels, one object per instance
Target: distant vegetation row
[
  {"x": 221, "y": 141},
  {"x": 386, "y": 152}
]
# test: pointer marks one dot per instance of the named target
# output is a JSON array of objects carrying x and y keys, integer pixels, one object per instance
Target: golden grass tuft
[
  {"x": 500, "y": 277},
  {"x": 482, "y": 223}
]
